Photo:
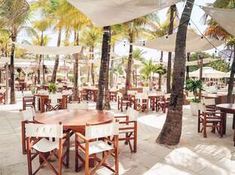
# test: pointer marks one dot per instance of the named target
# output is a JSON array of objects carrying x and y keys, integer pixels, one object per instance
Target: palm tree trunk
[
  {"x": 171, "y": 131},
  {"x": 56, "y": 65},
  {"x": 111, "y": 67},
  {"x": 103, "y": 66},
  {"x": 231, "y": 80},
  {"x": 170, "y": 31},
  {"x": 160, "y": 75},
  {"x": 12, "y": 68},
  {"x": 187, "y": 67},
  {"x": 92, "y": 66},
  {"x": 38, "y": 70},
  {"x": 76, "y": 57},
  {"x": 129, "y": 65}
]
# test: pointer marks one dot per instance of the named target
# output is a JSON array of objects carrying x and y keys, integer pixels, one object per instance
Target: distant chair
[
  {"x": 38, "y": 144},
  {"x": 54, "y": 102},
  {"x": 28, "y": 117},
  {"x": 98, "y": 139},
  {"x": 142, "y": 102},
  {"x": 73, "y": 106},
  {"x": 122, "y": 102},
  {"x": 163, "y": 103},
  {"x": 128, "y": 128},
  {"x": 28, "y": 101}
]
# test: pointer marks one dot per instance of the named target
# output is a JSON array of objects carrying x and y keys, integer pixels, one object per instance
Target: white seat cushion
[
  {"x": 45, "y": 145},
  {"x": 98, "y": 147}
]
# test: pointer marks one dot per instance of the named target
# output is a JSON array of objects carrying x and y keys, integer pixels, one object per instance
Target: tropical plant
[
  {"x": 52, "y": 88},
  {"x": 194, "y": 86},
  {"x": 13, "y": 15},
  {"x": 172, "y": 128}
]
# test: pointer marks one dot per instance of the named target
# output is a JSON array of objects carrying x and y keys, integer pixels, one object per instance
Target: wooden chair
[
  {"x": 142, "y": 102},
  {"x": 48, "y": 140},
  {"x": 122, "y": 102},
  {"x": 99, "y": 143},
  {"x": 2, "y": 95},
  {"x": 53, "y": 102},
  {"x": 28, "y": 101},
  {"x": 163, "y": 103},
  {"x": 210, "y": 118},
  {"x": 28, "y": 117},
  {"x": 78, "y": 106},
  {"x": 128, "y": 128}
]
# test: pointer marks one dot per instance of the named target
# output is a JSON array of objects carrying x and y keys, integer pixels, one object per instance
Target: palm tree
[
  {"x": 171, "y": 131},
  {"x": 132, "y": 30},
  {"x": 13, "y": 16},
  {"x": 172, "y": 15},
  {"x": 105, "y": 56},
  {"x": 91, "y": 38},
  {"x": 4, "y": 42}
]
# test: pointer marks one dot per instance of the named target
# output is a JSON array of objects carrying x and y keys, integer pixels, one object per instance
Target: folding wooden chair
[
  {"x": 128, "y": 128},
  {"x": 142, "y": 102},
  {"x": 48, "y": 140},
  {"x": 28, "y": 117},
  {"x": 163, "y": 103},
  {"x": 99, "y": 143},
  {"x": 122, "y": 102},
  {"x": 208, "y": 116},
  {"x": 28, "y": 101},
  {"x": 53, "y": 102}
]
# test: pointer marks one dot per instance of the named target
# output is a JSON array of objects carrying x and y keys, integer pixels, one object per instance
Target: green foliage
[
  {"x": 194, "y": 86},
  {"x": 220, "y": 65},
  {"x": 52, "y": 88}
]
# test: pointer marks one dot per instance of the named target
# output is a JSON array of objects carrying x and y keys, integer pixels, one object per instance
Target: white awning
[
  {"x": 50, "y": 50},
  {"x": 205, "y": 61},
  {"x": 225, "y": 18},
  {"x": 194, "y": 43},
  {"x": 208, "y": 72},
  {"x": 110, "y": 12}
]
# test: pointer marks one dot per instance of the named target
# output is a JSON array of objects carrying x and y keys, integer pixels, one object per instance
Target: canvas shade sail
[
  {"x": 194, "y": 43},
  {"x": 197, "y": 62},
  {"x": 50, "y": 50},
  {"x": 111, "y": 12},
  {"x": 208, "y": 72},
  {"x": 225, "y": 18}
]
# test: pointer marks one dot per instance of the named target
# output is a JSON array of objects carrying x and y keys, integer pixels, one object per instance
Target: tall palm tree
[
  {"x": 105, "y": 56},
  {"x": 172, "y": 13},
  {"x": 171, "y": 131},
  {"x": 13, "y": 15},
  {"x": 132, "y": 30},
  {"x": 91, "y": 38}
]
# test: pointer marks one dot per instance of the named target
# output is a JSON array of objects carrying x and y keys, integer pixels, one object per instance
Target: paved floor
[{"x": 194, "y": 155}]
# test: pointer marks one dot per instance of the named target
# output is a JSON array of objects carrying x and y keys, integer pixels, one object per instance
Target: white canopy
[
  {"x": 110, "y": 12},
  {"x": 49, "y": 50},
  {"x": 225, "y": 18},
  {"x": 208, "y": 72},
  {"x": 194, "y": 43},
  {"x": 196, "y": 62}
]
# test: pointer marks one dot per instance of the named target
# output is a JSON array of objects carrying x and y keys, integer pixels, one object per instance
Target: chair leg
[
  {"x": 204, "y": 129},
  {"x": 87, "y": 163},
  {"x": 23, "y": 137},
  {"x": 76, "y": 154}
]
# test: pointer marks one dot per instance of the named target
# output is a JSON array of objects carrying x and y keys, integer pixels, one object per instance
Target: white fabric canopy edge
[{"x": 50, "y": 50}]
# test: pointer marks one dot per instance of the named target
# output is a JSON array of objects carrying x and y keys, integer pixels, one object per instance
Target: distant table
[
  {"x": 154, "y": 97},
  {"x": 228, "y": 108},
  {"x": 75, "y": 120}
]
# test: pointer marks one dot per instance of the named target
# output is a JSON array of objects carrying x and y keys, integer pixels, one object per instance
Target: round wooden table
[
  {"x": 228, "y": 108},
  {"x": 75, "y": 120}
]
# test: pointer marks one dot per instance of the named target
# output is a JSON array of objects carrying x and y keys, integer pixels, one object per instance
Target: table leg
[
  {"x": 233, "y": 121},
  {"x": 224, "y": 115}
]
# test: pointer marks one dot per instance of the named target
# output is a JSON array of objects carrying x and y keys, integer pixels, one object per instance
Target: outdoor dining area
[{"x": 126, "y": 88}]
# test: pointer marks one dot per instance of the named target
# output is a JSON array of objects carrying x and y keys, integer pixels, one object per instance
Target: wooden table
[
  {"x": 228, "y": 108},
  {"x": 219, "y": 98},
  {"x": 75, "y": 120}
]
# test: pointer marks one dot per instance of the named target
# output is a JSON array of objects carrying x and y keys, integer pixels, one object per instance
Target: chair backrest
[
  {"x": 83, "y": 105},
  {"x": 44, "y": 130},
  {"x": 99, "y": 131},
  {"x": 141, "y": 96},
  {"x": 208, "y": 101},
  {"x": 132, "y": 114},
  {"x": 54, "y": 98},
  {"x": 29, "y": 114}
]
